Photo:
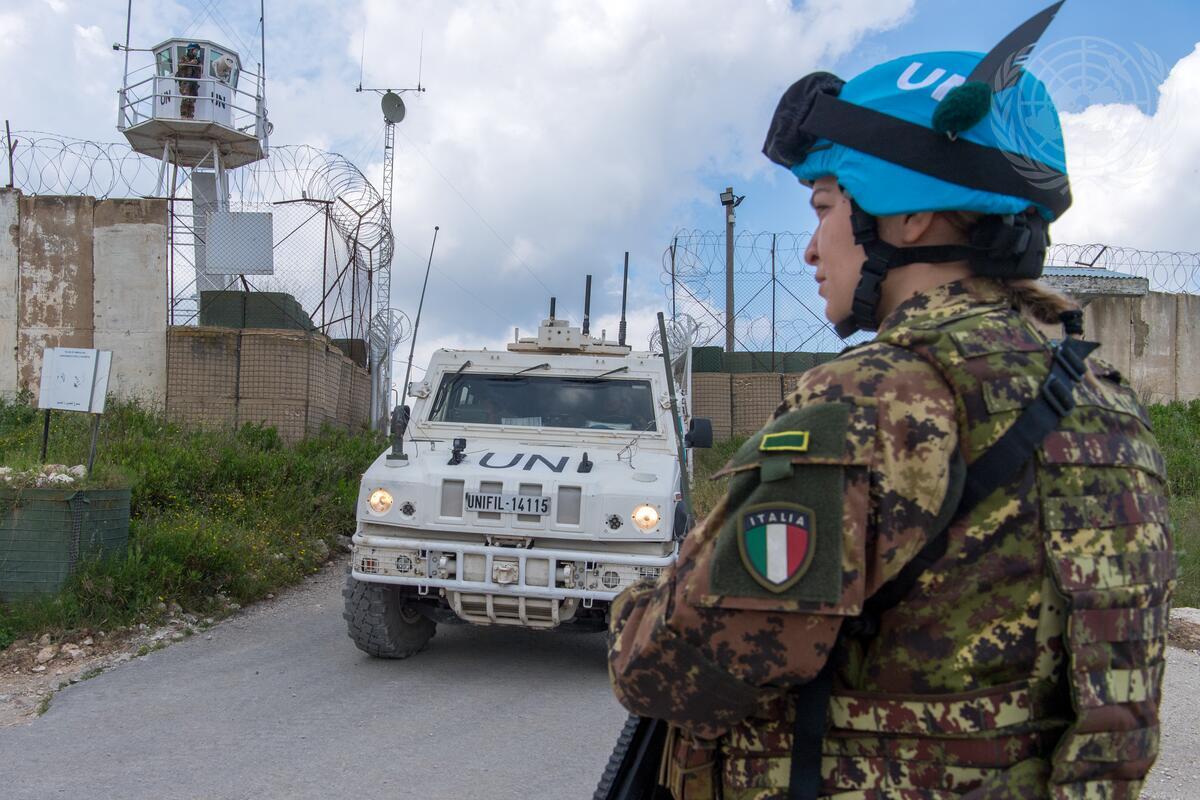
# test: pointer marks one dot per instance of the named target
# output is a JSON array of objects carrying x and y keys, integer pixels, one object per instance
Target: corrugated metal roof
[{"x": 1088, "y": 272}]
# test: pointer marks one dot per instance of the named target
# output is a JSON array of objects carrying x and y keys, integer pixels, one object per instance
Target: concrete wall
[
  {"x": 9, "y": 236},
  {"x": 75, "y": 272},
  {"x": 54, "y": 285},
  {"x": 1153, "y": 340},
  {"x": 130, "y": 294}
]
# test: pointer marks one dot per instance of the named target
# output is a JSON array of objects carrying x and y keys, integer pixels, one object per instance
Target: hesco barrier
[
  {"x": 739, "y": 392},
  {"x": 292, "y": 380},
  {"x": 46, "y": 533},
  {"x": 229, "y": 309}
]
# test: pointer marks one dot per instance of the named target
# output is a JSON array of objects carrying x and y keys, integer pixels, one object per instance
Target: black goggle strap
[{"x": 924, "y": 150}]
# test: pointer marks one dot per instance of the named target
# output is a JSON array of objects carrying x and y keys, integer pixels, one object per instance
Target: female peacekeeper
[{"x": 943, "y": 569}]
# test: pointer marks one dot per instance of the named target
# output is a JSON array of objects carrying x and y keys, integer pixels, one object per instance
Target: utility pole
[{"x": 729, "y": 202}]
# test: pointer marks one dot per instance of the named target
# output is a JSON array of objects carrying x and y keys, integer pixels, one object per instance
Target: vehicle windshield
[{"x": 544, "y": 401}]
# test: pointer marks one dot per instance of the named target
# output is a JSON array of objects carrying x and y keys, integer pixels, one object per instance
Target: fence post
[{"x": 773, "y": 303}]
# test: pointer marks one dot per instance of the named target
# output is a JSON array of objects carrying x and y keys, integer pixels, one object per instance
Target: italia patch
[{"x": 776, "y": 543}]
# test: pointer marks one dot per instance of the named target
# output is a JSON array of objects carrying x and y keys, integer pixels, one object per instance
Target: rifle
[{"x": 632, "y": 769}]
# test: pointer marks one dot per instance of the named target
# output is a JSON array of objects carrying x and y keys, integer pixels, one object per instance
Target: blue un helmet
[{"x": 942, "y": 131}]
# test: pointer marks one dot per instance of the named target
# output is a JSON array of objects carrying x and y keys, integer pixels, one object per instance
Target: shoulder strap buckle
[{"x": 1058, "y": 395}]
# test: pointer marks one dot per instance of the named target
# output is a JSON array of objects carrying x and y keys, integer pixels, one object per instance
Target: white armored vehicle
[{"x": 528, "y": 487}]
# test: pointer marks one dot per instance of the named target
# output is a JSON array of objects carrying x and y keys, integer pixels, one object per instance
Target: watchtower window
[{"x": 163, "y": 63}]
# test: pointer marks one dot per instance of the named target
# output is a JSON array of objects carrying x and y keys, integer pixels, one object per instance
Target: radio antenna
[
  {"x": 420, "y": 304},
  {"x": 624, "y": 292},
  {"x": 587, "y": 305},
  {"x": 420, "y": 61}
]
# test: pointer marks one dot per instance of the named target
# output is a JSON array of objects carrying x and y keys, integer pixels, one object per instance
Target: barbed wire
[
  {"x": 331, "y": 278},
  {"x": 47, "y": 163},
  {"x": 777, "y": 308}
]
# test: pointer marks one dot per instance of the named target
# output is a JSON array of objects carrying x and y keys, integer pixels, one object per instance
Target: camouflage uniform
[
  {"x": 189, "y": 67},
  {"x": 1025, "y": 663}
]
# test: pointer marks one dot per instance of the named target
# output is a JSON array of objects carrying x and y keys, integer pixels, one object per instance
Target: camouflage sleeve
[{"x": 824, "y": 505}]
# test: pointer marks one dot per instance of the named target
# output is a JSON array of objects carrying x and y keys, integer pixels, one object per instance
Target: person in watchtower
[
  {"x": 943, "y": 569},
  {"x": 191, "y": 65}
]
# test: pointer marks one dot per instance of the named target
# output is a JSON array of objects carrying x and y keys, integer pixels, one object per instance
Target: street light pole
[{"x": 729, "y": 202}]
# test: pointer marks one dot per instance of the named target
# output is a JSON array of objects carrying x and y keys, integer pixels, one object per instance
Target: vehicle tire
[{"x": 381, "y": 623}]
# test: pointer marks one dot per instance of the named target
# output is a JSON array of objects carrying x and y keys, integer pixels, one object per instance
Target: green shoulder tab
[
  {"x": 782, "y": 537},
  {"x": 790, "y": 441}
]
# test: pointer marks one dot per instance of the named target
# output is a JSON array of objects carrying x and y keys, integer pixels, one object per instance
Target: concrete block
[
  {"x": 1108, "y": 320},
  {"x": 55, "y": 283},
  {"x": 1187, "y": 347},
  {"x": 130, "y": 294},
  {"x": 1153, "y": 329},
  {"x": 10, "y": 235}
]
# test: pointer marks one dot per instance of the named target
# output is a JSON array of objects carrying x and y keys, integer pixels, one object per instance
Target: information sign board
[{"x": 74, "y": 379}]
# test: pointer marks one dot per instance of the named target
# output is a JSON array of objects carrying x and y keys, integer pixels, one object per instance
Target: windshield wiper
[
  {"x": 530, "y": 369},
  {"x": 444, "y": 389},
  {"x": 595, "y": 378}
]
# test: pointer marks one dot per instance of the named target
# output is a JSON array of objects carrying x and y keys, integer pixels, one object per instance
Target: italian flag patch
[{"x": 776, "y": 543}]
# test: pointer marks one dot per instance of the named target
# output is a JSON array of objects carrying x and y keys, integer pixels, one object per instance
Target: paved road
[{"x": 279, "y": 704}]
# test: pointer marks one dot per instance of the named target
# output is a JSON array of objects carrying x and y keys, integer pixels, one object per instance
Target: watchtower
[{"x": 196, "y": 108}]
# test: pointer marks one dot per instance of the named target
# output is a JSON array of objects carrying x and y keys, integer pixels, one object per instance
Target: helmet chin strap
[{"x": 1009, "y": 246}]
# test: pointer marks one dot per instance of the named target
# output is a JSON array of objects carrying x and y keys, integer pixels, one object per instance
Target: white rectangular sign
[{"x": 74, "y": 379}]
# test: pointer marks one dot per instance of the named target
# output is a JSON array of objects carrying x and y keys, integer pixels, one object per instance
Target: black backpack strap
[{"x": 808, "y": 731}]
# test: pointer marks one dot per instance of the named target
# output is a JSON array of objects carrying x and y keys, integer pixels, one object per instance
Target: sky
[{"x": 555, "y": 135}]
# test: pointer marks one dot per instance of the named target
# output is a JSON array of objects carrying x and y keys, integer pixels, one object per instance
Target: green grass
[
  {"x": 1177, "y": 427},
  {"x": 240, "y": 514}
]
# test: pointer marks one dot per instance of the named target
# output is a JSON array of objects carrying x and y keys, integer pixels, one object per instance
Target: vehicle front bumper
[{"x": 443, "y": 565}]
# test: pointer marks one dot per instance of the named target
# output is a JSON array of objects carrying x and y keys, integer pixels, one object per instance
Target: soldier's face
[{"x": 838, "y": 260}]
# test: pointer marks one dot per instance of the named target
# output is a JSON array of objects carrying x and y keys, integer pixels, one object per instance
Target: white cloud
[
  {"x": 576, "y": 130},
  {"x": 1134, "y": 175}
]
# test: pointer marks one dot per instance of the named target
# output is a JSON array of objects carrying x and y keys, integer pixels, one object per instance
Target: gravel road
[{"x": 279, "y": 704}]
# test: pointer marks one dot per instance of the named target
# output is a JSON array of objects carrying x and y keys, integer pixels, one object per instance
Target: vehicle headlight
[
  {"x": 380, "y": 501},
  {"x": 645, "y": 517}
]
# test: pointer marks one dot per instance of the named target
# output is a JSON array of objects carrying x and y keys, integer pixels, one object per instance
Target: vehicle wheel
[{"x": 381, "y": 623}]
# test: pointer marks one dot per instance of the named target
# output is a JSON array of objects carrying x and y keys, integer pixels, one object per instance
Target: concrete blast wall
[
  {"x": 1152, "y": 340},
  {"x": 77, "y": 272}
]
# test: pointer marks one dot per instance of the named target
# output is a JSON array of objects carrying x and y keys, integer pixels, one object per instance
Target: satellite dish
[{"x": 393, "y": 107}]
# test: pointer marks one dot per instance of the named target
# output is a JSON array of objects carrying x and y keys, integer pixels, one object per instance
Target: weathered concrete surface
[
  {"x": 9, "y": 252},
  {"x": 55, "y": 284},
  {"x": 130, "y": 296},
  {"x": 1153, "y": 357},
  {"x": 1187, "y": 346},
  {"x": 1107, "y": 321}
]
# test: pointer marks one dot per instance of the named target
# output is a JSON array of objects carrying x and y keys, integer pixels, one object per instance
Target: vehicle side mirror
[{"x": 699, "y": 433}]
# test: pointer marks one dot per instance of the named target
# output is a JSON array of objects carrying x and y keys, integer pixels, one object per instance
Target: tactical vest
[{"x": 1027, "y": 661}]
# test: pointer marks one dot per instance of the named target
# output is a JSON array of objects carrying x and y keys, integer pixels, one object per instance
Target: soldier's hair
[{"x": 1030, "y": 297}]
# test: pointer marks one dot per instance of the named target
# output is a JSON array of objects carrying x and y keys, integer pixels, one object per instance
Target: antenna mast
[{"x": 393, "y": 111}]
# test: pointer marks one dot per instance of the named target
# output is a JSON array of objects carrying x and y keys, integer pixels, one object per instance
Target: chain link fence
[{"x": 778, "y": 315}]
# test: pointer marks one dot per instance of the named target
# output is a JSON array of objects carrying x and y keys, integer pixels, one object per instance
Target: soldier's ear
[{"x": 906, "y": 230}]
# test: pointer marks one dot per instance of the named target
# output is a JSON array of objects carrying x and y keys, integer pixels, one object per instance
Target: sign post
[{"x": 74, "y": 379}]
